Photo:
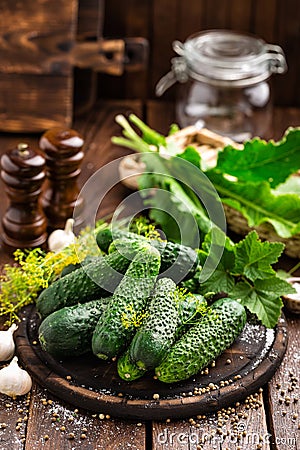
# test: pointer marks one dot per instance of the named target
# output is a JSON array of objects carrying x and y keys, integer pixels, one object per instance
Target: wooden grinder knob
[
  {"x": 24, "y": 223},
  {"x": 63, "y": 152}
]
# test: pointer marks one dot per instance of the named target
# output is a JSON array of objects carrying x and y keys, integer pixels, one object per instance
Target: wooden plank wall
[
  {"x": 32, "y": 79},
  {"x": 163, "y": 21}
]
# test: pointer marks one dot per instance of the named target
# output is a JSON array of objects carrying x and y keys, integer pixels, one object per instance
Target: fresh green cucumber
[
  {"x": 190, "y": 310},
  {"x": 68, "y": 332},
  {"x": 127, "y": 369},
  {"x": 71, "y": 267},
  {"x": 94, "y": 280},
  {"x": 203, "y": 342},
  {"x": 178, "y": 262},
  {"x": 116, "y": 326},
  {"x": 154, "y": 338},
  {"x": 105, "y": 237}
]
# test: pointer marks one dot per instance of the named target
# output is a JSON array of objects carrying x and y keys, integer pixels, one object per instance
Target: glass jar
[{"x": 224, "y": 82}]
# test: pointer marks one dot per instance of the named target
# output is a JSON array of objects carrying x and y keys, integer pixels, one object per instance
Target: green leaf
[
  {"x": 217, "y": 237},
  {"x": 221, "y": 279},
  {"x": 253, "y": 258},
  {"x": 258, "y": 204},
  {"x": 178, "y": 199},
  {"x": 190, "y": 154},
  {"x": 263, "y": 161},
  {"x": 173, "y": 210},
  {"x": 263, "y": 298}
]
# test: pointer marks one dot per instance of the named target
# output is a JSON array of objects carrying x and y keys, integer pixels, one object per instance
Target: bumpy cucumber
[
  {"x": 178, "y": 262},
  {"x": 203, "y": 342},
  {"x": 190, "y": 310},
  {"x": 127, "y": 369},
  {"x": 94, "y": 280},
  {"x": 68, "y": 332},
  {"x": 116, "y": 326},
  {"x": 154, "y": 338},
  {"x": 105, "y": 237},
  {"x": 71, "y": 267}
]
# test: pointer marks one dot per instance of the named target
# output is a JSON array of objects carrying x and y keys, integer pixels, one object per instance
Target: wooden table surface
[{"x": 267, "y": 420}]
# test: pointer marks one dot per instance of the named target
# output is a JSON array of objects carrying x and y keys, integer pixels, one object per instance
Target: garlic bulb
[
  {"x": 7, "y": 345},
  {"x": 60, "y": 239},
  {"x": 14, "y": 380}
]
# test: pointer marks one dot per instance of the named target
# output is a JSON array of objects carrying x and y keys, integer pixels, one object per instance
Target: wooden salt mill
[
  {"x": 63, "y": 152},
  {"x": 24, "y": 223}
]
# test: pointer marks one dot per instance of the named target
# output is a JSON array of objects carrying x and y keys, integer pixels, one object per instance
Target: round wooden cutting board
[{"x": 95, "y": 385}]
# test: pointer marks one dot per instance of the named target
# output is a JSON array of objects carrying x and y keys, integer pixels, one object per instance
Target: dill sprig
[
  {"x": 142, "y": 226},
  {"x": 35, "y": 269},
  {"x": 139, "y": 225},
  {"x": 191, "y": 308},
  {"x": 131, "y": 318}
]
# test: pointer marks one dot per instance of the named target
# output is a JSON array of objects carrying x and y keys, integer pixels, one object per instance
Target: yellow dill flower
[
  {"x": 131, "y": 318},
  {"x": 35, "y": 270},
  {"x": 153, "y": 234},
  {"x": 142, "y": 226},
  {"x": 179, "y": 294}
]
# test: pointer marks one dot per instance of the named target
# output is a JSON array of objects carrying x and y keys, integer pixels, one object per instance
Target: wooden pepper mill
[
  {"x": 63, "y": 152},
  {"x": 24, "y": 223}
]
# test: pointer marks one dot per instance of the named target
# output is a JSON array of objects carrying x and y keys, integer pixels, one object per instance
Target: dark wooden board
[
  {"x": 36, "y": 79},
  {"x": 283, "y": 393},
  {"x": 95, "y": 385}
]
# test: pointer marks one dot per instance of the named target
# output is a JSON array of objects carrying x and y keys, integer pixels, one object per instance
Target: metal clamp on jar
[{"x": 224, "y": 82}]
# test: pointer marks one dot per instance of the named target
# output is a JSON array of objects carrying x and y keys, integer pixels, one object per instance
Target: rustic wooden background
[
  {"x": 163, "y": 21},
  {"x": 40, "y": 81}
]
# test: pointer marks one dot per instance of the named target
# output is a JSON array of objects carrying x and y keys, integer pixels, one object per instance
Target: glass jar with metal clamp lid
[{"x": 224, "y": 82}]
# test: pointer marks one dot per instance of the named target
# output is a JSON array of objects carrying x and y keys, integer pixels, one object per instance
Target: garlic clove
[
  {"x": 60, "y": 239},
  {"x": 7, "y": 344},
  {"x": 14, "y": 380}
]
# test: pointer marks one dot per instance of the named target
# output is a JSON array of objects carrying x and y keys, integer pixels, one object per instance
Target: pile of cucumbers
[{"x": 126, "y": 306}]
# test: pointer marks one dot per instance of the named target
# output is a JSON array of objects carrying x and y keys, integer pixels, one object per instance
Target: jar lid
[{"x": 224, "y": 57}]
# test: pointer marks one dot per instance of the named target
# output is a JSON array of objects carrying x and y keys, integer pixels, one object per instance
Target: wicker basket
[
  {"x": 209, "y": 144},
  {"x": 237, "y": 223}
]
